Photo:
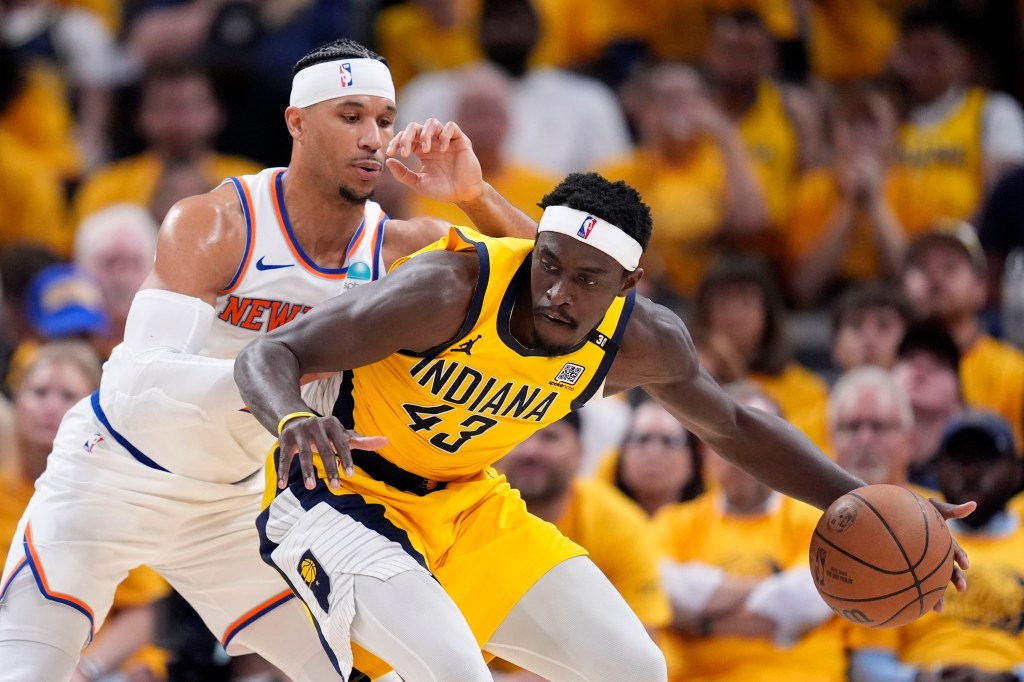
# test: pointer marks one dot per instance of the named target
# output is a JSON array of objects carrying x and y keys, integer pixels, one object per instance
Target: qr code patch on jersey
[{"x": 570, "y": 374}]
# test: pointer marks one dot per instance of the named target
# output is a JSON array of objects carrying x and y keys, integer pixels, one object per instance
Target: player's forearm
[
  {"x": 779, "y": 455},
  {"x": 495, "y": 216},
  {"x": 268, "y": 374}
]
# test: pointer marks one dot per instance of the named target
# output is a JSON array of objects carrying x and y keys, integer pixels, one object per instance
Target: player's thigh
[
  {"x": 40, "y": 639},
  {"x": 409, "y": 621},
  {"x": 572, "y": 625}
]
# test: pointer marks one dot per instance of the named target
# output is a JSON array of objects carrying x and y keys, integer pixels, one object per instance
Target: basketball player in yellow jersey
[{"x": 422, "y": 554}]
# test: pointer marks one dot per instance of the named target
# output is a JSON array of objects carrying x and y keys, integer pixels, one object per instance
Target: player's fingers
[
  {"x": 411, "y": 136},
  {"x": 959, "y": 580},
  {"x": 447, "y": 134},
  {"x": 953, "y": 511},
  {"x": 358, "y": 442},
  {"x": 960, "y": 556},
  {"x": 305, "y": 454},
  {"x": 285, "y": 452},
  {"x": 400, "y": 171},
  {"x": 339, "y": 437},
  {"x": 430, "y": 130},
  {"x": 327, "y": 454}
]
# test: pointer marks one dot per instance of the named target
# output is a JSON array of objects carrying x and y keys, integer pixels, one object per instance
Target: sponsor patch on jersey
[
  {"x": 570, "y": 374},
  {"x": 359, "y": 270},
  {"x": 315, "y": 578}
]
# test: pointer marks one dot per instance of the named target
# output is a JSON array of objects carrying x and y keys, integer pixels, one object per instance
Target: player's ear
[
  {"x": 630, "y": 281},
  {"x": 293, "y": 118}
]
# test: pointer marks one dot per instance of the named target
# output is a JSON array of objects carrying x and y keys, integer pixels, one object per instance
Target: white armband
[{"x": 155, "y": 378}]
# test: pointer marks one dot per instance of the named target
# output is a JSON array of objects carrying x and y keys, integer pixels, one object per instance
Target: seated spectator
[
  {"x": 116, "y": 246},
  {"x": 61, "y": 302},
  {"x": 179, "y": 117},
  {"x": 977, "y": 636},
  {"x": 560, "y": 122},
  {"x": 945, "y": 278},
  {"x": 18, "y": 266},
  {"x": 868, "y": 322},
  {"x": 692, "y": 168},
  {"x": 781, "y": 125},
  {"x": 844, "y": 224},
  {"x": 871, "y": 427},
  {"x": 956, "y": 141},
  {"x": 483, "y": 111},
  {"x": 656, "y": 464},
  {"x": 409, "y": 33},
  {"x": 928, "y": 369},
  {"x": 617, "y": 534},
  {"x": 744, "y": 602},
  {"x": 739, "y": 299},
  {"x": 61, "y": 374}
]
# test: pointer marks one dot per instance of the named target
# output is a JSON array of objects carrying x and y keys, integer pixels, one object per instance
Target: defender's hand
[
  {"x": 325, "y": 436},
  {"x": 449, "y": 169}
]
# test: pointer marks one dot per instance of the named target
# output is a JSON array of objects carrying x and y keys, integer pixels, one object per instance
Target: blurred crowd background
[{"x": 838, "y": 198}]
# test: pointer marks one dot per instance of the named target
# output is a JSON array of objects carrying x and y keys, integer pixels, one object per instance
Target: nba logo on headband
[
  {"x": 587, "y": 226},
  {"x": 346, "y": 74}
]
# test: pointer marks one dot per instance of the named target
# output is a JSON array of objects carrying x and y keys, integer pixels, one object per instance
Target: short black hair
[
  {"x": 932, "y": 338},
  {"x": 342, "y": 48},
  {"x": 572, "y": 420},
  {"x": 614, "y": 202},
  {"x": 868, "y": 295}
]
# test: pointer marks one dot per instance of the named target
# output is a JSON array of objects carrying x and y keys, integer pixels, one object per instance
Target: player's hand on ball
[
  {"x": 324, "y": 436},
  {"x": 961, "y": 562}
]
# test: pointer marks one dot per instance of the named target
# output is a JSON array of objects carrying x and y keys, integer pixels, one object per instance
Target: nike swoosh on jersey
[{"x": 260, "y": 265}]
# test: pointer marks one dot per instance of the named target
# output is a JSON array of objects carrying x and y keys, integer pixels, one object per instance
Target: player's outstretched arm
[
  {"x": 421, "y": 305},
  {"x": 451, "y": 172},
  {"x": 657, "y": 351}
]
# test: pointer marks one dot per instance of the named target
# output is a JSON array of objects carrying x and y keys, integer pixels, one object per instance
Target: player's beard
[{"x": 352, "y": 197}]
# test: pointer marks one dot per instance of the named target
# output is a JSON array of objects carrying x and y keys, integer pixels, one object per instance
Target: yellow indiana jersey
[
  {"x": 985, "y": 624},
  {"x": 774, "y": 148},
  {"x": 747, "y": 547},
  {"x": 939, "y": 166},
  {"x": 455, "y": 410},
  {"x": 992, "y": 377}
]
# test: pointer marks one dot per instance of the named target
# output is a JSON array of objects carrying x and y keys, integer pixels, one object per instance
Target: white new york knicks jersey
[{"x": 275, "y": 282}]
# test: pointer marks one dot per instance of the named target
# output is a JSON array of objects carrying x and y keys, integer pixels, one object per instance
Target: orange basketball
[{"x": 881, "y": 556}]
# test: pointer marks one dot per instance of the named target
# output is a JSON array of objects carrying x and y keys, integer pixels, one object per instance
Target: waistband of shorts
[{"x": 385, "y": 471}]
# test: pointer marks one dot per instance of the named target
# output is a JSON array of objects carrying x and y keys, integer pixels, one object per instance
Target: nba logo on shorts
[
  {"x": 587, "y": 226},
  {"x": 346, "y": 74}
]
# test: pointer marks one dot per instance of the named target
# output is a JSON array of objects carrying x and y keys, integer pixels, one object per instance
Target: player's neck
[{"x": 323, "y": 225}]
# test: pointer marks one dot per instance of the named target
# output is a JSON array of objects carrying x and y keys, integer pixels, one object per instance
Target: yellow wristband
[{"x": 288, "y": 417}]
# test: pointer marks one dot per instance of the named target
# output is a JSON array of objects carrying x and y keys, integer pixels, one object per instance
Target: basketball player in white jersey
[{"x": 162, "y": 466}]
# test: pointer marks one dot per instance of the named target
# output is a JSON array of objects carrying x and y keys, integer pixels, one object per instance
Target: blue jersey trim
[{"x": 121, "y": 440}]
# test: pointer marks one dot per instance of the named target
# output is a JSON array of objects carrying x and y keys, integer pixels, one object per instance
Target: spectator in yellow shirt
[
  {"x": 740, "y": 300},
  {"x": 978, "y": 636},
  {"x": 844, "y": 225},
  {"x": 945, "y": 278},
  {"x": 657, "y": 463},
  {"x": 693, "y": 170},
  {"x": 744, "y": 602},
  {"x": 595, "y": 515},
  {"x": 781, "y": 125},
  {"x": 179, "y": 117},
  {"x": 868, "y": 323},
  {"x": 61, "y": 374}
]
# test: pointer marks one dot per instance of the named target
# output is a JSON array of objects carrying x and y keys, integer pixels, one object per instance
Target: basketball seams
[
  {"x": 856, "y": 558},
  {"x": 903, "y": 552}
]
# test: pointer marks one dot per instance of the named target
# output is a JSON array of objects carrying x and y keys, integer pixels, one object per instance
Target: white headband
[
  {"x": 341, "y": 78},
  {"x": 591, "y": 230}
]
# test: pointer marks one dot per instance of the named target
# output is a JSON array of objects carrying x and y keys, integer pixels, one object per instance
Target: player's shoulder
[
  {"x": 215, "y": 214},
  {"x": 656, "y": 347},
  {"x": 651, "y": 325}
]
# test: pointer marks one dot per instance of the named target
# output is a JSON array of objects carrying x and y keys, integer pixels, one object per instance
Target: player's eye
[{"x": 548, "y": 267}]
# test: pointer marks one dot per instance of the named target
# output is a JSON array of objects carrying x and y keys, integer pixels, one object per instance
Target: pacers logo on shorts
[
  {"x": 345, "y": 70},
  {"x": 587, "y": 226},
  {"x": 318, "y": 582}
]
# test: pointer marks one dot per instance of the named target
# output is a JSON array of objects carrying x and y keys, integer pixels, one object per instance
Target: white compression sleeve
[{"x": 158, "y": 362}]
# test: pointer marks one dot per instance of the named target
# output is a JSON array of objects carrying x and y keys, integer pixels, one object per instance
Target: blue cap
[
  {"x": 991, "y": 425},
  {"x": 63, "y": 301}
]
